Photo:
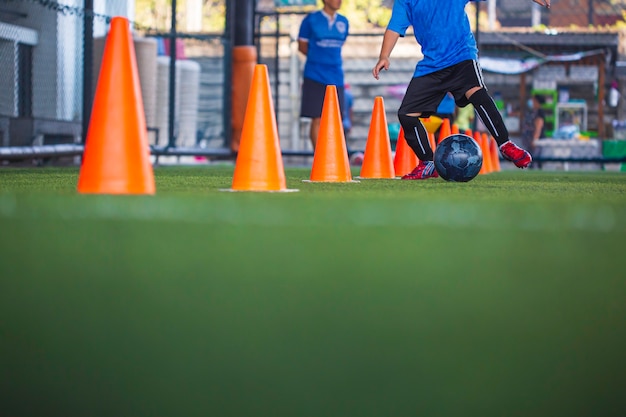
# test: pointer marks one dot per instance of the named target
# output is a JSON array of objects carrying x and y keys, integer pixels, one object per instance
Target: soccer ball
[{"x": 458, "y": 158}]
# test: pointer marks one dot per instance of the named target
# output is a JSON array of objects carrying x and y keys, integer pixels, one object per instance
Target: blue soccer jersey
[
  {"x": 441, "y": 28},
  {"x": 325, "y": 38}
]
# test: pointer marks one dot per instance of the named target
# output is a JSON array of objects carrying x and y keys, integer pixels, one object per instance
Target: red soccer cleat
[
  {"x": 423, "y": 170},
  {"x": 515, "y": 154}
]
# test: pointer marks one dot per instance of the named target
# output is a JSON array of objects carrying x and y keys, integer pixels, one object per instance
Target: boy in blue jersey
[
  {"x": 322, "y": 35},
  {"x": 450, "y": 64}
]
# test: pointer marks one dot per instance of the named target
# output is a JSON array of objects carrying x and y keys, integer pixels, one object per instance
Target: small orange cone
[
  {"x": 478, "y": 138},
  {"x": 259, "y": 165},
  {"x": 469, "y": 133},
  {"x": 455, "y": 129},
  {"x": 445, "y": 130},
  {"x": 495, "y": 156},
  {"x": 377, "y": 160},
  {"x": 487, "y": 152},
  {"x": 116, "y": 159},
  {"x": 330, "y": 159},
  {"x": 405, "y": 159}
]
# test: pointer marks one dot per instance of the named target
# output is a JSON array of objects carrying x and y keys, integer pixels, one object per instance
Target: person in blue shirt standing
[
  {"x": 321, "y": 38},
  {"x": 450, "y": 64}
]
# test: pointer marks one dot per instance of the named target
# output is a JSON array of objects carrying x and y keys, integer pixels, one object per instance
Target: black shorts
[
  {"x": 424, "y": 93},
  {"x": 313, "y": 98}
]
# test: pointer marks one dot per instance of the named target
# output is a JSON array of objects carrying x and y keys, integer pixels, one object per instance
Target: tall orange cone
[
  {"x": 405, "y": 159},
  {"x": 495, "y": 156},
  {"x": 377, "y": 160},
  {"x": 116, "y": 159},
  {"x": 259, "y": 165},
  {"x": 330, "y": 158},
  {"x": 445, "y": 130}
]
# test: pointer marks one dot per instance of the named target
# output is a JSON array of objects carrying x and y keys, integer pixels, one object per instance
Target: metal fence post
[
  {"x": 172, "y": 82},
  {"x": 87, "y": 66}
]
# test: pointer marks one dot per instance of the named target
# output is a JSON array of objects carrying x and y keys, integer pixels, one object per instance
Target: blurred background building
[{"x": 575, "y": 50}]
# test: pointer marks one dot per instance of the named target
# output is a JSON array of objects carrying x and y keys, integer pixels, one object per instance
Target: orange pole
[{"x": 244, "y": 61}]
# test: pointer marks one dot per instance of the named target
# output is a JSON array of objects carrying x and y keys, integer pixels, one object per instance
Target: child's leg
[{"x": 416, "y": 136}]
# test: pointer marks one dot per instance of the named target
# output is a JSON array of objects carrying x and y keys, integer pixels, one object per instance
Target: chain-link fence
[{"x": 44, "y": 74}]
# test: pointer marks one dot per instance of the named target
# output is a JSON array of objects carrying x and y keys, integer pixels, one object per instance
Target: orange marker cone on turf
[
  {"x": 405, "y": 159},
  {"x": 487, "y": 152},
  {"x": 478, "y": 138},
  {"x": 377, "y": 160},
  {"x": 259, "y": 165},
  {"x": 455, "y": 129},
  {"x": 330, "y": 158},
  {"x": 116, "y": 159},
  {"x": 495, "y": 156}
]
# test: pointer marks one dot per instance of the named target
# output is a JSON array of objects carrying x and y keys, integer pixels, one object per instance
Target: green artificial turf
[{"x": 504, "y": 296}]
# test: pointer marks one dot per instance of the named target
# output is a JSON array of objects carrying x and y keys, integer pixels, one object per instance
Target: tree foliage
[
  {"x": 156, "y": 14},
  {"x": 365, "y": 14}
]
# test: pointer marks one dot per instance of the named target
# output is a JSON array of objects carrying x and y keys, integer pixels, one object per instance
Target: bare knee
[
  {"x": 410, "y": 114},
  {"x": 471, "y": 91}
]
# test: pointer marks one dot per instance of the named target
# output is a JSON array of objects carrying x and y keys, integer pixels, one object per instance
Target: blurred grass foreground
[{"x": 504, "y": 296}]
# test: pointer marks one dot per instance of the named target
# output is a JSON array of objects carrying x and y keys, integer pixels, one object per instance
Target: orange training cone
[
  {"x": 330, "y": 158},
  {"x": 445, "y": 130},
  {"x": 487, "y": 152},
  {"x": 495, "y": 157},
  {"x": 478, "y": 138},
  {"x": 116, "y": 159},
  {"x": 259, "y": 165},
  {"x": 405, "y": 159},
  {"x": 377, "y": 160},
  {"x": 455, "y": 129}
]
